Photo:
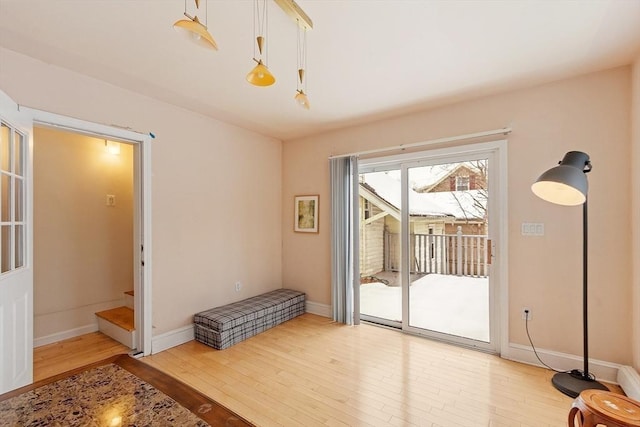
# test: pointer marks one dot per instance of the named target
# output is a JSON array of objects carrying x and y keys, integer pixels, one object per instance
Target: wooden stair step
[{"x": 120, "y": 316}]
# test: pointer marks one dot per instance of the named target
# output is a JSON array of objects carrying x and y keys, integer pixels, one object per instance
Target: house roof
[
  {"x": 366, "y": 60},
  {"x": 431, "y": 176},
  {"x": 458, "y": 204}
]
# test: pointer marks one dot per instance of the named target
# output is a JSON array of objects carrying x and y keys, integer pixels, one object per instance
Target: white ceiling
[{"x": 367, "y": 59}]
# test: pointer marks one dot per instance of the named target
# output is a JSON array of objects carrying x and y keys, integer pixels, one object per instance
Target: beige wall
[
  {"x": 83, "y": 249},
  {"x": 635, "y": 211},
  {"x": 589, "y": 113},
  {"x": 216, "y": 189}
]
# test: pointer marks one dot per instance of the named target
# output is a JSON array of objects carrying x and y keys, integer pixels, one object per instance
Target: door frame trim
[
  {"x": 500, "y": 300},
  {"x": 142, "y": 214}
]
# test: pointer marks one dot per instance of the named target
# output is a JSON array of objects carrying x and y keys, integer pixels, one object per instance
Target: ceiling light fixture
[
  {"x": 194, "y": 29},
  {"x": 292, "y": 9},
  {"x": 112, "y": 147},
  {"x": 260, "y": 75},
  {"x": 301, "y": 97}
]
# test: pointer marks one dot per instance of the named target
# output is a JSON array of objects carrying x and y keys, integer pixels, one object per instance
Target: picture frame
[{"x": 305, "y": 219}]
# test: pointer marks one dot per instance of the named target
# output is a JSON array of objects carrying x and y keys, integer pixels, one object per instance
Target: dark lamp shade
[{"x": 562, "y": 185}]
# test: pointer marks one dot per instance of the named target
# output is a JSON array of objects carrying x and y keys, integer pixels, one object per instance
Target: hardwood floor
[
  {"x": 59, "y": 357},
  {"x": 312, "y": 372}
]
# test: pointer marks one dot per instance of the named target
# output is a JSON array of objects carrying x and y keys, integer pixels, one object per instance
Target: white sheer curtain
[{"x": 345, "y": 266}]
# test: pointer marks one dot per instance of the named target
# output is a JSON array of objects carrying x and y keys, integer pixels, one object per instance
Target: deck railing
[{"x": 458, "y": 254}]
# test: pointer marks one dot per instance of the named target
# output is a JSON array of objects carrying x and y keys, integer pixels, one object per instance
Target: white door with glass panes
[{"x": 16, "y": 254}]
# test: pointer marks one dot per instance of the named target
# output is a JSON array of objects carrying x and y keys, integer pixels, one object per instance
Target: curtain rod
[{"x": 503, "y": 131}]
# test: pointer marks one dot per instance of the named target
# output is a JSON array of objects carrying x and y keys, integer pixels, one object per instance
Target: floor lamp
[{"x": 566, "y": 184}]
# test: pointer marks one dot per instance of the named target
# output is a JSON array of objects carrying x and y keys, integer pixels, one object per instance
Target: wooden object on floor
[
  {"x": 119, "y": 324},
  {"x": 120, "y": 316},
  {"x": 595, "y": 407}
]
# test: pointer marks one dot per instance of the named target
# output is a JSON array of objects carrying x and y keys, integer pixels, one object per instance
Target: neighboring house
[
  {"x": 432, "y": 214},
  {"x": 464, "y": 184}
]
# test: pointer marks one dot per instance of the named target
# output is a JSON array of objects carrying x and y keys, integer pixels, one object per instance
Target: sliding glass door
[
  {"x": 380, "y": 247},
  {"x": 425, "y": 244}
]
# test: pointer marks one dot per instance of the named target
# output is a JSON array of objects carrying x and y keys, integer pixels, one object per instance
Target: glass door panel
[
  {"x": 380, "y": 247},
  {"x": 425, "y": 245},
  {"x": 447, "y": 245}
]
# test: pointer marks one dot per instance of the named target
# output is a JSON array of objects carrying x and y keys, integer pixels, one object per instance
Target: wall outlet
[
  {"x": 527, "y": 314},
  {"x": 238, "y": 286}
]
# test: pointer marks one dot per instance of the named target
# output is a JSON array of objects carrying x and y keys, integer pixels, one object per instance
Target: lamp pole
[
  {"x": 566, "y": 184},
  {"x": 585, "y": 316}
]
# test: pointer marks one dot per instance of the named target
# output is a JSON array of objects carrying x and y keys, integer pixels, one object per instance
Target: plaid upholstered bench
[{"x": 224, "y": 326}]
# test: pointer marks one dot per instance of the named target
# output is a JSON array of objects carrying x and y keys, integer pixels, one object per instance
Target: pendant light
[
  {"x": 301, "y": 97},
  {"x": 194, "y": 29},
  {"x": 260, "y": 75}
]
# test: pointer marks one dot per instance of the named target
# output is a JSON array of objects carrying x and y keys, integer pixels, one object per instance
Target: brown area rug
[{"x": 119, "y": 391}]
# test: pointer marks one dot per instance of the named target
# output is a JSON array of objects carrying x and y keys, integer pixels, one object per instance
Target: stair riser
[
  {"x": 128, "y": 301},
  {"x": 119, "y": 334}
]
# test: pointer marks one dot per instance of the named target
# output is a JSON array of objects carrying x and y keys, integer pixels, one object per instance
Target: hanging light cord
[
  {"x": 302, "y": 54},
  {"x": 206, "y": 13},
  {"x": 259, "y": 23},
  {"x": 195, "y": 15}
]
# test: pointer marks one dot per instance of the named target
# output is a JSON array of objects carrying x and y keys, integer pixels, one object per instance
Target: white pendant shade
[{"x": 302, "y": 100}]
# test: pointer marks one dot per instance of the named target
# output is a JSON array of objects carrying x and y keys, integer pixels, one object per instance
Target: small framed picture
[{"x": 306, "y": 214}]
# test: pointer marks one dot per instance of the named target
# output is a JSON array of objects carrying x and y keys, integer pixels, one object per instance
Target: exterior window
[
  {"x": 462, "y": 183},
  {"x": 367, "y": 209}
]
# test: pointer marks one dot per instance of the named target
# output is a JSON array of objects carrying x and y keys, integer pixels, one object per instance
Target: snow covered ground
[{"x": 443, "y": 303}]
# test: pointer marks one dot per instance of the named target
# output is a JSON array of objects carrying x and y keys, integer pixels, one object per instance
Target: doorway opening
[
  {"x": 83, "y": 191},
  {"x": 99, "y": 177}
]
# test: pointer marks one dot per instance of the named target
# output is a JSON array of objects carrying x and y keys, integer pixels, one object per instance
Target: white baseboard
[
  {"x": 59, "y": 323},
  {"x": 71, "y": 333},
  {"x": 629, "y": 380},
  {"x": 323, "y": 310},
  {"x": 604, "y": 371},
  {"x": 172, "y": 338}
]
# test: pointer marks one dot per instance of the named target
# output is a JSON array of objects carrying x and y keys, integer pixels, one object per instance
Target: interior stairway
[{"x": 118, "y": 322}]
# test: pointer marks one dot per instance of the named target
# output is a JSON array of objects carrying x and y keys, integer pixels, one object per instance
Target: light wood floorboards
[
  {"x": 59, "y": 357},
  {"x": 312, "y": 372}
]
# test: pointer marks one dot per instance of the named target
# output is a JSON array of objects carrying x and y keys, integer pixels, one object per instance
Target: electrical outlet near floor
[
  {"x": 527, "y": 314},
  {"x": 238, "y": 286}
]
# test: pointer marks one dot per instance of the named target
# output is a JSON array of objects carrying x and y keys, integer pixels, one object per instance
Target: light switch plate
[{"x": 532, "y": 229}]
